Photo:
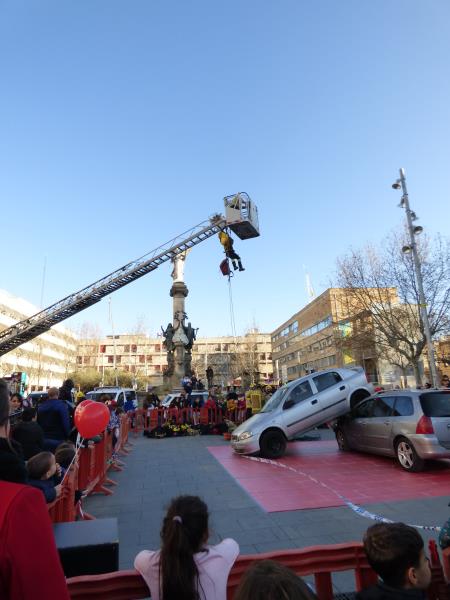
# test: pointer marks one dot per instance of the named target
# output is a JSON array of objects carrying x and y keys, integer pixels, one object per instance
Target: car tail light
[{"x": 424, "y": 425}]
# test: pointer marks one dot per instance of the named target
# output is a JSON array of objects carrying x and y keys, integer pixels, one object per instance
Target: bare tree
[{"x": 381, "y": 285}]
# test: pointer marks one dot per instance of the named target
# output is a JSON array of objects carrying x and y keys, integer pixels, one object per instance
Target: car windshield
[
  {"x": 275, "y": 400},
  {"x": 97, "y": 395},
  {"x": 436, "y": 404}
]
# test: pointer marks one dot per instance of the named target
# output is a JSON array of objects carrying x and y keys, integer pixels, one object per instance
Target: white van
[
  {"x": 298, "y": 407},
  {"x": 118, "y": 394}
]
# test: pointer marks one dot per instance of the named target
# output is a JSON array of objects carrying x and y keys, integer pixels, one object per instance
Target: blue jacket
[
  {"x": 53, "y": 417},
  {"x": 47, "y": 487},
  {"x": 129, "y": 405}
]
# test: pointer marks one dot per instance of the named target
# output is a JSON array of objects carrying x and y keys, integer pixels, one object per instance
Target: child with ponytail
[{"x": 186, "y": 568}]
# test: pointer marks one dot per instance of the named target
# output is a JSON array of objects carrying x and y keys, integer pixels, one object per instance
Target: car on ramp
[{"x": 298, "y": 407}]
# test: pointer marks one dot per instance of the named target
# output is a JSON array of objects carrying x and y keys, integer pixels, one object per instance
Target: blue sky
[{"x": 123, "y": 124}]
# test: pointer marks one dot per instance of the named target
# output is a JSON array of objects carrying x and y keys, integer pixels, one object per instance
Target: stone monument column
[
  {"x": 179, "y": 292},
  {"x": 178, "y": 337}
]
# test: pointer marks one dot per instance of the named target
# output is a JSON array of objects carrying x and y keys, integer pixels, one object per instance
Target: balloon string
[{"x": 78, "y": 446}]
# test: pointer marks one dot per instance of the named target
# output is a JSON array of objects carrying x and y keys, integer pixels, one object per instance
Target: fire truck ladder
[{"x": 28, "y": 329}]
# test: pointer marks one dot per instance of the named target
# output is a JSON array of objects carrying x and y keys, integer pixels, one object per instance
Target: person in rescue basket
[{"x": 186, "y": 568}]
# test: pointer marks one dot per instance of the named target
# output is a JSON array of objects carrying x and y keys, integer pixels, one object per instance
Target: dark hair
[
  {"x": 28, "y": 414},
  {"x": 18, "y": 396},
  {"x": 4, "y": 403},
  {"x": 65, "y": 445},
  {"x": 104, "y": 398},
  {"x": 39, "y": 464},
  {"x": 269, "y": 580},
  {"x": 392, "y": 549},
  {"x": 184, "y": 530},
  {"x": 64, "y": 456}
]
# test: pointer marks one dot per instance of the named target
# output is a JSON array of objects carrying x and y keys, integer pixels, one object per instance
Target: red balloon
[
  {"x": 84, "y": 403},
  {"x": 79, "y": 411},
  {"x": 91, "y": 418}
]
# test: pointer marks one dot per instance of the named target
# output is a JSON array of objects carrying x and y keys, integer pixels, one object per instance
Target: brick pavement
[{"x": 157, "y": 470}]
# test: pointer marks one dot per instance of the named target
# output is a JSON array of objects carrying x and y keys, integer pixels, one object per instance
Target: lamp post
[{"x": 413, "y": 231}]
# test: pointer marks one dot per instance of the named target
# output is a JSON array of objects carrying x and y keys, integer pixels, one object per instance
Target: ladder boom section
[{"x": 26, "y": 330}]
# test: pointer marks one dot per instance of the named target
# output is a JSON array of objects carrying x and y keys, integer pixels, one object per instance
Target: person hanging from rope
[{"x": 230, "y": 253}]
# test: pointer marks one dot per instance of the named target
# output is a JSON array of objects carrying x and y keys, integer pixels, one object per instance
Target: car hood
[{"x": 256, "y": 423}]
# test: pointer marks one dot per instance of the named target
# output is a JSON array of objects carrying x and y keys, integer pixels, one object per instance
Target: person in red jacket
[{"x": 30, "y": 568}]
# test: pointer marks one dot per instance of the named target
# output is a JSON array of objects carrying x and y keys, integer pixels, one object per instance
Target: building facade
[
  {"x": 47, "y": 359},
  {"x": 145, "y": 358},
  {"x": 329, "y": 332}
]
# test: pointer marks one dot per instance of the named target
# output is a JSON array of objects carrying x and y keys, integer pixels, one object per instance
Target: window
[
  {"x": 118, "y": 359},
  {"x": 403, "y": 407},
  {"x": 383, "y": 406},
  {"x": 363, "y": 410},
  {"x": 134, "y": 348},
  {"x": 110, "y": 359},
  {"x": 435, "y": 404},
  {"x": 301, "y": 392},
  {"x": 149, "y": 358},
  {"x": 326, "y": 380},
  {"x": 317, "y": 327},
  {"x": 79, "y": 359},
  {"x": 142, "y": 358},
  {"x": 126, "y": 348}
]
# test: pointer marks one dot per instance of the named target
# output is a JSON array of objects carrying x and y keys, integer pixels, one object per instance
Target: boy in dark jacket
[
  {"x": 395, "y": 551},
  {"x": 45, "y": 474}
]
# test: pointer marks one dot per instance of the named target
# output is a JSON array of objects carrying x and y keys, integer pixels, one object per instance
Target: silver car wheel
[{"x": 405, "y": 455}]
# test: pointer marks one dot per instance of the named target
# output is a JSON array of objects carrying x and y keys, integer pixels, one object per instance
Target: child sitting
[
  {"x": 64, "y": 455},
  {"x": 45, "y": 474},
  {"x": 269, "y": 580},
  {"x": 187, "y": 568},
  {"x": 395, "y": 551}
]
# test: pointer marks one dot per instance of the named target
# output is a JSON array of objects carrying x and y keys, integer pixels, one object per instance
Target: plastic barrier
[
  {"x": 157, "y": 417},
  {"x": 320, "y": 561},
  {"x": 63, "y": 508},
  {"x": 89, "y": 473}
]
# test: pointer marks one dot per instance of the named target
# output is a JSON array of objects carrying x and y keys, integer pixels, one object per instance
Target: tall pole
[
  {"x": 419, "y": 280},
  {"x": 114, "y": 342}
]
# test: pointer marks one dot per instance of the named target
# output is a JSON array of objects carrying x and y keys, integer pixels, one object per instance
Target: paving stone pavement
[{"x": 157, "y": 470}]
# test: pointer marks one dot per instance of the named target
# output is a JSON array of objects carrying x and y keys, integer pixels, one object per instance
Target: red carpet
[{"x": 362, "y": 478}]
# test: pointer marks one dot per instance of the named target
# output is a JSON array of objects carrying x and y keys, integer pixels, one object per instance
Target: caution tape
[{"x": 354, "y": 507}]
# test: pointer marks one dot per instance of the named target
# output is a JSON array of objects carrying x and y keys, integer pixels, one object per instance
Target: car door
[
  {"x": 301, "y": 409},
  {"x": 376, "y": 436},
  {"x": 355, "y": 423},
  {"x": 332, "y": 393}
]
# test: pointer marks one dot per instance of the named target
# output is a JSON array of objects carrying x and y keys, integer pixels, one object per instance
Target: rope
[
  {"x": 233, "y": 323},
  {"x": 354, "y": 507}
]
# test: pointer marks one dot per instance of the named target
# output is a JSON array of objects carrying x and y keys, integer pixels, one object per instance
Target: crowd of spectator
[
  {"x": 35, "y": 453},
  {"x": 37, "y": 444},
  {"x": 187, "y": 568}
]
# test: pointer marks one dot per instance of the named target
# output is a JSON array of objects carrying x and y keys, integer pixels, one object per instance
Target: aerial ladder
[{"x": 241, "y": 216}]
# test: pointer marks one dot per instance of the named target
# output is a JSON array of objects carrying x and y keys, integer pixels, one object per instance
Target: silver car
[
  {"x": 298, "y": 407},
  {"x": 411, "y": 425}
]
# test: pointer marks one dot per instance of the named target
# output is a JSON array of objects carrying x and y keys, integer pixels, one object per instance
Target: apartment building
[
  {"x": 48, "y": 358},
  {"x": 243, "y": 360},
  {"x": 322, "y": 335},
  {"x": 145, "y": 357}
]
